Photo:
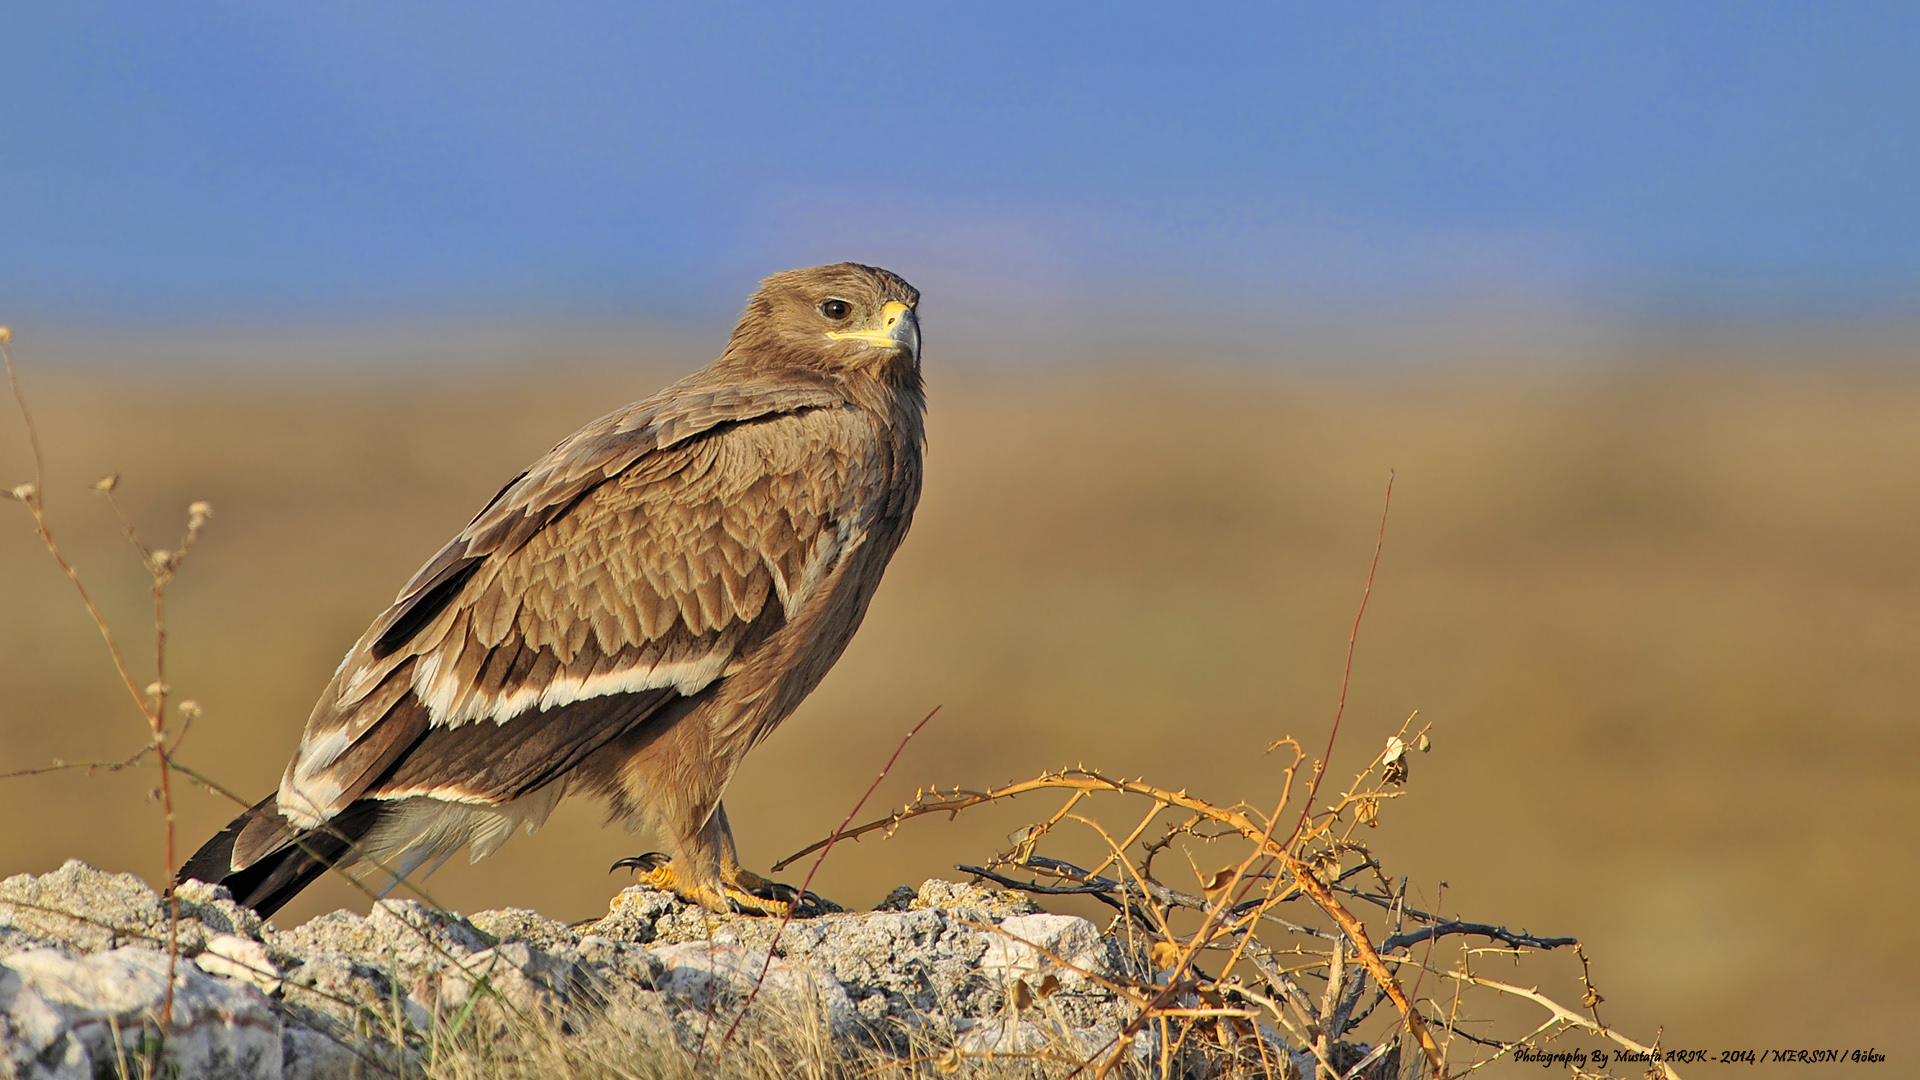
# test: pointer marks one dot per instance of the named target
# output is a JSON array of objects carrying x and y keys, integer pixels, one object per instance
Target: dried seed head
[
  {"x": 157, "y": 689},
  {"x": 24, "y": 492},
  {"x": 189, "y": 709},
  {"x": 1023, "y": 840},
  {"x": 6, "y": 334},
  {"x": 1163, "y": 955},
  {"x": 1424, "y": 744},
  {"x": 1395, "y": 761},
  {"x": 107, "y": 483},
  {"x": 197, "y": 515},
  {"x": 160, "y": 559}
]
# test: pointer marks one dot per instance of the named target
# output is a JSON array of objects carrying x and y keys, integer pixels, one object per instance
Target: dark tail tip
[
  {"x": 213, "y": 863},
  {"x": 278, "y": 876}
]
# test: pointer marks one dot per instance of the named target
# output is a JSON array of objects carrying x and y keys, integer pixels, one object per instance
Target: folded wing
[{"x": 622, "y": 575}]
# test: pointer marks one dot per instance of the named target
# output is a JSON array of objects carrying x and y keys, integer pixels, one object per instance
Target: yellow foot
[{"x": 739, "y": 891}]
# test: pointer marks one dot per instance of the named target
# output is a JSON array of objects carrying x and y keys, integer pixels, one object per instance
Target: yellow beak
[{"x": 899, "y": 329}]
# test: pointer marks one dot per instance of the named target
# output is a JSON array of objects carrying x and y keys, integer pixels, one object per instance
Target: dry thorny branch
[
  {"x": 1228, "y": 966},
  {"x": 1259, "y": 958},
  {"x": 1223, "y": 966}
]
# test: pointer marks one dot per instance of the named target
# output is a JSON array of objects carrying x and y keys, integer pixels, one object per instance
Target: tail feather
[{"x": 268, "y": 882}]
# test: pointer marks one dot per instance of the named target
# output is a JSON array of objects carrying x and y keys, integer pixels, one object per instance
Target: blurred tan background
[{"x": 1661, "y": 610}]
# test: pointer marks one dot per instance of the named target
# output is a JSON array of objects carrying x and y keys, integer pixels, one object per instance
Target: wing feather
[{"x": 633, "y": 561}]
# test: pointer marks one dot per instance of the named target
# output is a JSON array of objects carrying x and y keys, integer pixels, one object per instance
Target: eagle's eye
[{"x": 836, "y": 309}]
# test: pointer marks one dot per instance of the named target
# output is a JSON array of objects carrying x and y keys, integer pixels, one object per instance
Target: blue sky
[{"x": 342, "y": 160}]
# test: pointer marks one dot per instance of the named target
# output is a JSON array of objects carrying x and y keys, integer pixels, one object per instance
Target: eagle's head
[{"x": 845, "y": 318}]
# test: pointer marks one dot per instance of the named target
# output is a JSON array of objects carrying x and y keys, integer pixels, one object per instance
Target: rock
[
  {"x": 83, "y": 952},
  {"x": 1013, "y": 1034},
  {"x": 85, "y": 1016},
  {"x": 80, "y": 906},
  {"x": 1033, "y": 946},
  {"x": 213, "y": 907},
  {"x": 519, "y": 924},
  {"x": 406, "y": 931},
  {"x": 240, "y": 958},
  {"x": 707, "y": 977},
  {"x": 978, "y": 902},
  {"x": 524, "y": 977},
  {"x": 632, "y": 915},
  {"x": 919, "y": 962}
]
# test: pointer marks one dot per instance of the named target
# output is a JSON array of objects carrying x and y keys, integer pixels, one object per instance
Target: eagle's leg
[
  {"x": 726, "y": 886},
  {"x": 774, "y": 897}
]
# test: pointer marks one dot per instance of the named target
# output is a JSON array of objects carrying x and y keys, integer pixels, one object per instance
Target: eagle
[{"x": 625, "y": 620}]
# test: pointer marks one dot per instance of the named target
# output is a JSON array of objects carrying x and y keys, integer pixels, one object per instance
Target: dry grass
[
  {"x": 786, "y": 1044},
  {"x": 1662, "y": 616}
]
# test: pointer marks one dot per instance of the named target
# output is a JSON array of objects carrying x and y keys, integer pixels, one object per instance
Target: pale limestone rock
[
  {"x": 708, "y": 977},
  {"x": 240, "y": 958},
  {"x": 81, "y": 1016},
  {"x": 323, "y": 999},
  {"x": 1031, "y": 947}
]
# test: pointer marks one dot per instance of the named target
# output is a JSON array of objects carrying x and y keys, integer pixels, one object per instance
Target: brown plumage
[{"x": 626, "y": 619}]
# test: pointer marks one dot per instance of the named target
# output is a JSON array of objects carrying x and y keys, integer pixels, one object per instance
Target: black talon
[
  {"x": 772, "y": 890},
  {"x": 775, "y": 891},
  {"x": 805, "y": 905},
  {"x": 651, "y": 861}
]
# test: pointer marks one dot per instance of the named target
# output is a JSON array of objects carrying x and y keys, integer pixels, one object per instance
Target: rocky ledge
[{"x": 83, "y": 977}]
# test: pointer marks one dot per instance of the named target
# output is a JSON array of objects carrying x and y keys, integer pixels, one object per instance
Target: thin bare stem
[
  {"x": 65, "y": 766},
  {"x": 1558, "y": 1011},
  {"x": 34, "y": 498},
  {"x": 1346, "y": 674},
  {"x": 807, "y": 882},
  {"x": 152, "y": 705}
]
